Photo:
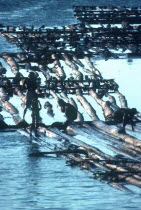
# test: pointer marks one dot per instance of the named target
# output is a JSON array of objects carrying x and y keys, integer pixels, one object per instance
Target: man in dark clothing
[
  {"x": 125, "y": 116},
  {"x": 31, "y": 85},
  {"x": 35, "y": 108},
  {"x": 69, "y": 110}
]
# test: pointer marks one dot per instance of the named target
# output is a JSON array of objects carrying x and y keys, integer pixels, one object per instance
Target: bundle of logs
[
  {"x": 98, "y": 32},
  {"x": 120, "y": 169}
]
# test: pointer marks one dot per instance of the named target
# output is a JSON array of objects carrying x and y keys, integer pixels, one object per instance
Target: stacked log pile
[{"x": 58, "y": 53}]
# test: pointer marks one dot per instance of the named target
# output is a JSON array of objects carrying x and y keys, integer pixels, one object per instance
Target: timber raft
[{"x": 103, "y": 33}]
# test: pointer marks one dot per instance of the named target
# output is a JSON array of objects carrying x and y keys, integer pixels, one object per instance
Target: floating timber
[{"x": 62, "y": 65}]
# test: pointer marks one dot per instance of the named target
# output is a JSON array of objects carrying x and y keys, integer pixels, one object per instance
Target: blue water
[
  {"x": 37, "y": 183},
  {"x": 48, "y": 183},
  {"x": 47, "y": 12}
]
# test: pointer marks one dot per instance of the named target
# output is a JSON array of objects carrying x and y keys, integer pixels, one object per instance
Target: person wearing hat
[{"x": 125, "y": 116}]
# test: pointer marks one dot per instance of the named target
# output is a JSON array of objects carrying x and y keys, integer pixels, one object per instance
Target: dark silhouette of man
[
  {"x": 125, "y": 116},
  {"x": 69, "y": 110},
  {"x": 31, "y": 85},
  {"x": 35, "y": 108}
]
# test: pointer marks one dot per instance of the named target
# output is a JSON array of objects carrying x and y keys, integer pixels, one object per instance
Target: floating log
[
  {"x": 78, "y": 61},
  {"x": 113, "y": 103},
  {"x": 107, "y": 110},
  {"x": 6, "y": 104},
  {"x": 12, "y": 63},
  {"x": 107, "y": 128},
  {"x": 3, "y": 94},
  {"x": 110, "y": 137},
  {"x": 122, "y": 100},
  {"x": 20, "y": 94},
  {"x": 126, "y": 145},
  {"x": 9, "y": 107},
  {"x": 130, "y": 179}
]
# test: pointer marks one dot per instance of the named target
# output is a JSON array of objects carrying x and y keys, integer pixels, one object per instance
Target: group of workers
[{"x": 121, "y": 115}]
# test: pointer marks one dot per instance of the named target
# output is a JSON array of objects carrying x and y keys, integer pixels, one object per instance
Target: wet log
[
  {"x": 90, "y": 110},
  {"x": 107, "y": 128},
  {"x": 107, "y": 110},
  {"x": 17, "y": 119},
  {"x": 98, "y": 153},
  {"x": 84, "y": 164},
  {"x": 54, "y": 95},
  {"x": 9, "y": 107},
  {"x": 130, "y": 179},
  {"x": 5, "y": 103},
  {"x": 115, "y": 131},
  {"x": 91, "y": 73},
  {"x": 3, "y": 94},
  {"x": 61, "y": 72},
  {"x": 69, "y": 62},
  {"x": 48, "y": 132},
  {"x": 58, "y": 68},
  {"x": 122, "y": 100},
  {"x": 92, "y": 67},
  {"x": 126, "y": 152},
  {"x": 85, "y": 152},
  {"x": 12, "y": 63},
  {"x": 77, "y": 61},
  {"x": 8, "y": 36},
  {"x": 131, "y": 151},
  {"x": 76, "y": 72},
  {"x": 20, "y": 94},
  {"x": 64, "y": 95},
  {"x": 110, "y": 137},
  {"x": 112, "y": 101},
  {"x": 89, "y": 62}
]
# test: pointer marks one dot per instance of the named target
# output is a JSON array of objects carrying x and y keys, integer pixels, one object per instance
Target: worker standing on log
[
  {"x": 69, "y": 110},
  {"x": 125, "y": 116},
  {"x": 35, "y": 108},
  {"x": 31, "y": 85}
]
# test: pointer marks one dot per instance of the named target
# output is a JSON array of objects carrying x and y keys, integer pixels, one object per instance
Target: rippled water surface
[
  {"x": 48, "y": 183},
  {"x": 37, "y": 183}
]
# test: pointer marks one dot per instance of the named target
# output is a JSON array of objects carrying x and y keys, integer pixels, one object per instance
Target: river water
[{"x": 37, "y": 183}]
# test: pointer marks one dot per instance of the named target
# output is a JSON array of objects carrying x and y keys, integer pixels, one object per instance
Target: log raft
[{"x": 86, "y": 156}]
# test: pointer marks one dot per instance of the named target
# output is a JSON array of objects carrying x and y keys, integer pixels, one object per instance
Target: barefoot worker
[
  {"x": 31, "y": 85},
  {"x": 35, "y": 108}
]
